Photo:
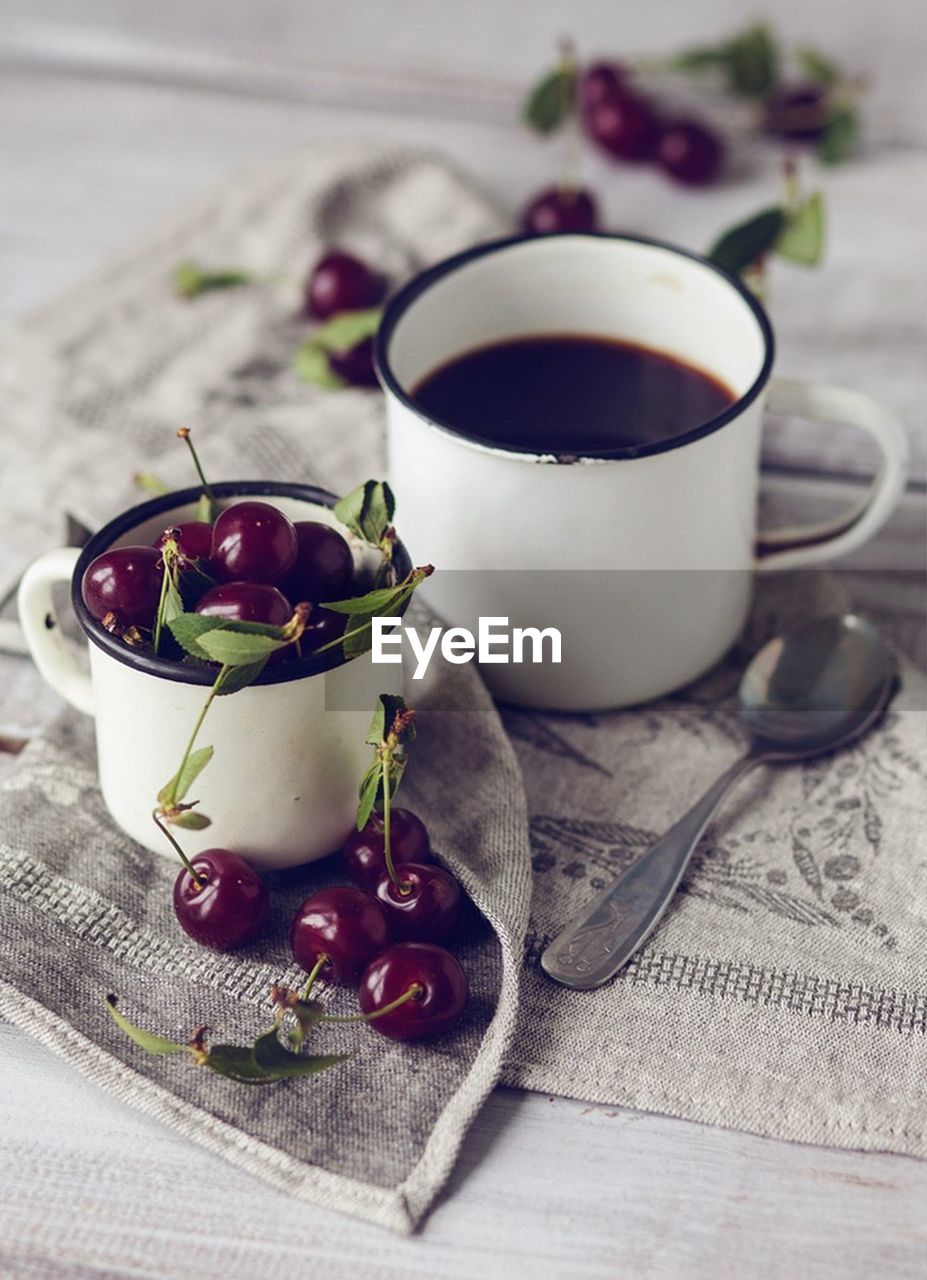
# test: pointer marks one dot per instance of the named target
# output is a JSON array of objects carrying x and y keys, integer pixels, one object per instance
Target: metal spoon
[{"x": 809, "y": 691}]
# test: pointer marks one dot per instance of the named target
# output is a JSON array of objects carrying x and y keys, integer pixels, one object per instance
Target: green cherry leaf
[
  {"x": 840, "y": 137},
  {"x": 148, "y": 482},
  {"x": 802, "y": 238},
  {"x": 312, "y": 366},
  {"x": 383, "y": 715},
  {"x": 340, "y": 333},
  {"x": 377, "y": 601},
  {"x": 236, "y": 1062},
  {"x": 350, "y": 509},
  {"x": 272, "y": 1055},
  {"x": 239, "y": 1063},
  {"x": 699, "y": 58},
  {"x": 357, "y": 635},
  {"x": 550, "y": 101},
  {"x": 144, "y": 1039},
  {"x": 267, "y": 1049},
  {"x": 742, "y": 244},
  {"x": 347, "y": 329},
  {"x": 752, "y": 62},
  {"x": 368, "y": 510},
  {"x": 190, "y": 820},
  {"x": 190, "y": 279},
  {"x": 381, "y": 600},
  {"x": 369, "y": 790},
  {"x": 818, "y": 66},
  {"x": 234, "y": 649},
  {"x": 749, "y": 62},
  {"x": 379, "y": 509},
  {"x": 187, "y": 629},
  {"x": 377, "y": 731},
  {"x": 184, "y": 779},
  {"x": 235, "y": 678},
  {"x": 172, "y": 601}
]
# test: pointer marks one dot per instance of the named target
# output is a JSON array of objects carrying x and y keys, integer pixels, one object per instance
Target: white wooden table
[{"x": 109, "y": 124}]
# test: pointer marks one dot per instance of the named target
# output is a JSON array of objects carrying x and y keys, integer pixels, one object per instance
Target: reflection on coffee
[{"x": 570, "y": 393}]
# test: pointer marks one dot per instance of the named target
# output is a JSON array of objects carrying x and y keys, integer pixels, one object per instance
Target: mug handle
[
  {"x": 792, "y": 548},
  {"x": 51, "y": 652}
]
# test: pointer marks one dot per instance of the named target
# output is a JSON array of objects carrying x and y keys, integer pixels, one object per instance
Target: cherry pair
[
  {"x": 418, "y": 902},
  {"x": 626, "y": 125}
]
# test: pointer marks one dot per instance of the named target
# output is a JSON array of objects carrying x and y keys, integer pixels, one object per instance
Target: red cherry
[
  {"x": 125, "y": 581},
  {"x": 624, "y": 125},
  {"x": 440, "y": 985},
  {"x": 600, "y": 81},
  {"x": 324, "y": 568},
  {"x": 424, "y": 907},
  {"x": 355, "y": 365},
  {"x": 253, "y": 542},
  {"x": 341, "y": 282},
  {"x": 246, "y": 602},
  {"x": 560, "y": 209},
  {"x": 797, "y": 112},
  {"x": 345, "y": 925},
  {"x": 364, "y": 856},
  {"x": 229, "y": 904},
  {"x": 194, "y": 537},
  {"x": 690, "y": 153}
]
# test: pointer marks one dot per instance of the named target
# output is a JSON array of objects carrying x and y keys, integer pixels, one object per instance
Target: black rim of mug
[
  {"x": 402, "y": 301},
  {"x": 168, "y": 668}
]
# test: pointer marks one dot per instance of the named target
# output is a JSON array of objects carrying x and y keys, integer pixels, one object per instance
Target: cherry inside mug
[{"x": 640, "y": 547}]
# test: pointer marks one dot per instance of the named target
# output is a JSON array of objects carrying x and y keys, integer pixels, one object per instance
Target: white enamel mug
[
  {"x": 281, "y": 788},
  {"x": 643, "y": 557}
]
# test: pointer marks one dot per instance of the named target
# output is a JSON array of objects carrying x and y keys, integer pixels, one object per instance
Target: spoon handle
[{"x": 607, "y": 932}]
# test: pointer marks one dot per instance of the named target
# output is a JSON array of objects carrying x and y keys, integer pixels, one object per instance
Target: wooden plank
[{"x": 545, "y": 1188}]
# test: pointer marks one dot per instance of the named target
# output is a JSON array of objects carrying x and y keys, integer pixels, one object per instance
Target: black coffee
[{"x": 570, "y": 393}]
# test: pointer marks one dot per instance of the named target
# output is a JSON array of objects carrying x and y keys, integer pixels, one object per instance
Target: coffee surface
[{"x": 570, "y": 393}]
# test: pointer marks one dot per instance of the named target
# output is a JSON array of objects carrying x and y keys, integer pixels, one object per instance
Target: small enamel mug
[
  {"x": 642, "y": 557},
  {"x": 281, "y": 788}
]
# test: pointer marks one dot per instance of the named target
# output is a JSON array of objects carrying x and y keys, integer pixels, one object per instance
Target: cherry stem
[
  {"x": 573, "y": 134},
  {"x": 168, "y": 554},
  {"x": 171, "y": 798},
  {"x": 386, "y": 758},
  {"x": 183, "y": 857},
  {"x": 415, "y": 992},
  {"x": 184, "y": 434},
  {"x": 345, "y": 635},
  {"x": 159, "y": 616},
  {"x": 313, "y": 974}
]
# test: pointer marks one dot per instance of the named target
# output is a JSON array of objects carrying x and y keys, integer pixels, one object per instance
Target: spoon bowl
[{"x": 816, "y": 687}]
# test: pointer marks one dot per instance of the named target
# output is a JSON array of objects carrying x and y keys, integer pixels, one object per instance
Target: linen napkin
[{"x": 784, "y": 993}]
